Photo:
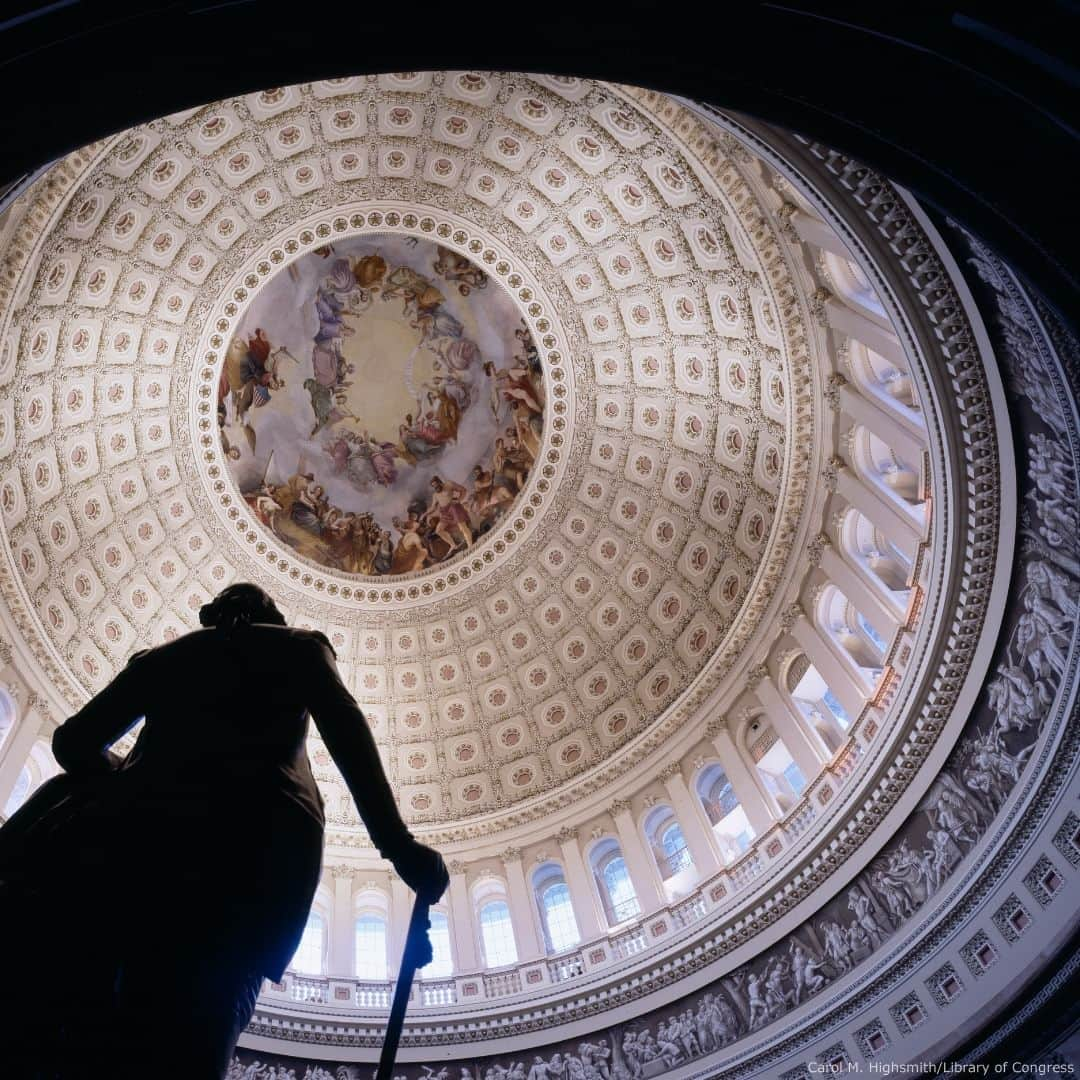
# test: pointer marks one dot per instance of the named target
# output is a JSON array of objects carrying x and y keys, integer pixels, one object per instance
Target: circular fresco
[{"x": 381, "y": 404}]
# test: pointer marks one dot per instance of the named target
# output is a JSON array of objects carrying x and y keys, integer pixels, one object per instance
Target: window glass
[
  {"x": 675, "y": 852},
  {"x": 308, "y": 958},
  {"x": 836, "y": 709},
  {"x": 371, "y": 947},
  {"x": 620, "y": 890},
  {"x": 559, "y": 917},
  {"x": 442, "y": 966},
  {"x": 793, "y": 775},
  {"x": 19, "y": 793},
  {"x": 497, "y": 932},
  {"x": 870, "y": 632}
]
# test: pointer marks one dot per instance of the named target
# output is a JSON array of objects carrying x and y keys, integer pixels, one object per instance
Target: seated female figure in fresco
[{"x": 153, "y": 894}]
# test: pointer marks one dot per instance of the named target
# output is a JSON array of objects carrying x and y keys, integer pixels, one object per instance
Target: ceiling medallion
[{"x": 390, "y": 401}]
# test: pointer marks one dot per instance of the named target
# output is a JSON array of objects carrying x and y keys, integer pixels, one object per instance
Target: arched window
[
  {"x": 613, "y": 882},
  {"x": 310, "y": 955},
  {"x": 497, "y": 934},
  {"x": 39, "y": 766},
  {"x": 730, "y": 825},
  {"x": 864, "y": 625},
  {"x": 7, "y": 716},
  {"x": 887, "y": 564},
  {"x": 20, "y": 792},
  {"x": 673, "y": 858},
  {"x": 556, "y": 908},
  {"x": 559, "y": 916},
  {"x": 882, "y": 380},
  {"x": 442, "y": 964},
  {"x": 813, "y": 698},
  {"x": 853, "y": 285},
  {"x": 841, "y": 621},
  {"x": 675, "y": 850},
  {"x": 883, "y": 467},
  {"x": 779, "y": 774},
  {"x": 371, "y": 947}
]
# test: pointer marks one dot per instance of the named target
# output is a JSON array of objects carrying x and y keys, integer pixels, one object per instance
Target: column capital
[
  {"x": 832, "y": 471},
  {"x": 816, "y": 548},
  {"x": 790, "y": 616},
  {"x": 817, "y": 304},
  {"x": 672, "y": 769},
  {"x": 456, "y": 866},
  {"x": 833, "y": 385},
  {"x": 756, "y": 674},
  {"x": 341, "y": 870},
  {"x": 566, "y": 834},
  {"x": 511, "y": 854},
  {"x": 619, "y": 806},
  {"x": 716, "y": 726}
]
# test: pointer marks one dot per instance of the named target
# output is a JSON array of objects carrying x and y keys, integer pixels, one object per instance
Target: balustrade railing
[
  {"x": 502, "y": 984},
  {"x": 629, "y": 943},
  {"x": 311, "y": 991},
  {"x": 689, "y": 911},
  {"x": 438, "y": 993},
  {"x": 373, "y": 995},
  {"x": 561, "y": 968}
]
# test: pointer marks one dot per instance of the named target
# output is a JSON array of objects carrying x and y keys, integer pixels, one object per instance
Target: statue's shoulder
[{"x": 306, "y": 637}]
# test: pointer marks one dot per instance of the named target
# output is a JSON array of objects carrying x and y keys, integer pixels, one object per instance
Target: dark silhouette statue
[{"x": 143, "y": 900}]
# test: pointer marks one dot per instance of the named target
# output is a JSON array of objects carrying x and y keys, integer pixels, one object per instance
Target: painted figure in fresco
[
  {"x": 222, "y": 751},
  {"x": 837, "y": 947},
  {"x": 446, "y": 512},
  {"x": 456, "y": 268},
  {"x": 528, "y": 433},
  {"x": 859, "y": 903},
  {"x": 805, "y": 971},
  {"x": 515, "y": 383},
  {"x": 759, "y": 1012},
  {"x": 410, "y": 553},
  {"x": 631, "y": 1053},
  {"x": 778, "y": 995},
  {"x": 250, "y": 374},
  {"x": 666, "y": 1045}
]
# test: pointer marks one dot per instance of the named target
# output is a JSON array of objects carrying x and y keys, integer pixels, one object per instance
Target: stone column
[
  {"x": 751, "y": 798},
  {"x": 461, "y": 920},
  {"x": 806, "y": 748},
  {"x": 882, "y": 513},
  {"x": 639, "y": 864},
  {"x": 527, "y": 936},
  {"x": 873, "y": 335},
  {"x": 340, "y": 960},
  {"x": 691, "y": 818},
  {"x": 582, "y": 890},
  {"x": 19, "y": 743},
  {"x": 869, "y": 601},
  {"x": 850, "y": 692},
  {"x": 812, "y": 230},
  {"x": 888, "y": 427}
]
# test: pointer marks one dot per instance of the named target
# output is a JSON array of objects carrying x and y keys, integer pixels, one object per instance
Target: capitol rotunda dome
[{"x": 692, "y": 517}]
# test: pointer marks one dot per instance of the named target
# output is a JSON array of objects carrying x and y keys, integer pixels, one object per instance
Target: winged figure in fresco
[
  {"x": 251, "y": 373},
  {"x": 454, "y": 267}
]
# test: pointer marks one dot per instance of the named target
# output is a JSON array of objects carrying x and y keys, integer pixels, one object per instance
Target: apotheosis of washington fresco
[{"x": 381, "y": 405}]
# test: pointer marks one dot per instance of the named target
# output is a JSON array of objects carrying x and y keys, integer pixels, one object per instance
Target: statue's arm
[
  {"x": 344, "y": 729},
  {"x": 81, "y": 744},
  {"x": 352, "y": 746}
]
